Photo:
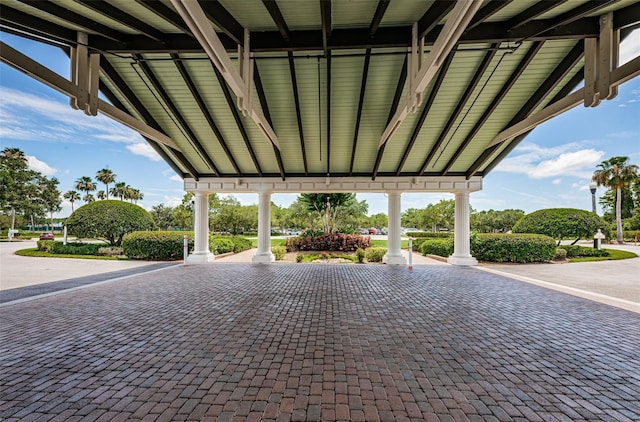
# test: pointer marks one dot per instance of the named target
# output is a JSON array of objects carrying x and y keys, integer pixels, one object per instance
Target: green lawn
[
  {"x": 42, "y": 254},
  {"x": 614, "y": 254}
]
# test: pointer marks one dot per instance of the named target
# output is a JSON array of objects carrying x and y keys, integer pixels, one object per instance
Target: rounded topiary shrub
[
  {"x": 513, "y": 247},
  {"x": 109, "y": 219},
  {"x": 156, "y": 246},
  {"x": 220, "y": 245},
  {"x": 560, "y": 223}
]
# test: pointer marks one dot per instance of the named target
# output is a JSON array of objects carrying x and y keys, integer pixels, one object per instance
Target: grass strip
[
  {"x": 42, "y": 254},
  {"x": 614, "y": 255}
]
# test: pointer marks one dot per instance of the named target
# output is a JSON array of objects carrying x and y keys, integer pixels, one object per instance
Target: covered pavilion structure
[{"x": 330, "y": 96}]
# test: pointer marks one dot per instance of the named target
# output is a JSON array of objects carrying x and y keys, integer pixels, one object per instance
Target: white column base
[
  {"x": 394, "y": 259},
  {"x": 200, "y": 258},
  {"x": 462, "y": 260},
  {"x": 263, "y": 258}
]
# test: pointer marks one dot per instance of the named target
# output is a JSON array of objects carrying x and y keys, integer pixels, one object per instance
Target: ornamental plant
[{"x": 110, "y": 220}]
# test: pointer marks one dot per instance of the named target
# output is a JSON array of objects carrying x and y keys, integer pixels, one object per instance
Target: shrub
[
  {"x": 375, "y": 254},
  {"x": 437, "y": 235},
  {"x": 251, "y": 234},
  {"x": 240, "y": 244},
  {"x": 75, "y": 248},
  {"x": 440, "y": 247},
  {"x": 561, "y": 254},
  {"x": 360, "y": 255},
  {"x": 156, "y": 245},
  {"x": 629, "y": 235},
  {"x": 574, "y": 251},
  {"x": 560, "y": 223},
  {"x": 110, "y": 219},
  {"x": 278, "y": 252},
  {"x": 220, "y": 245},
  {"x": 111, "y": 251},
  {"x": 328, "y": 242},
  {"x": 299, "y": 257},
  {"x": 513, "y": 247},
  {"x": 45, "y": 245}
]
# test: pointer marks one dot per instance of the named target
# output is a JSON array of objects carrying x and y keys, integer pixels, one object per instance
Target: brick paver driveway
[{"x": 318, "y": 342}]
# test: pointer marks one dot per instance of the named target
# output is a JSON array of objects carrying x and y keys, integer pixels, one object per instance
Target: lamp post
[{"x": 592, "y": 188}]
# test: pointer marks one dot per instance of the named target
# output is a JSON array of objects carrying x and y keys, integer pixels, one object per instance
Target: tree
[
  {"x": 561, "y": 223},
  {"x": 332, "y": 208},
  {"x": 50, "y": 196},
  {"x": 163, "y": 216},
  {"x": 495, "y": 221},
  {"x": 22, "y": 190},
  {"x": 616, "y": 173},
  {"x": 379, "y": 220},
  {"x": 86, "y": 185},
  {"x": 72, "y": 196},
  {"x": 109, "y": 219},
  {"x": 119, "y": 190},
  {"x": 106, "y": 176},
  {"x": 101, "y": 195}
]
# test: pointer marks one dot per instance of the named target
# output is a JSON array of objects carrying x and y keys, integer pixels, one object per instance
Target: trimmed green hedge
[
  {"x": 436, "y": 235},
  {"x": 440, "y": 247},
  {"x": 561, "y": 223},
  {"x": 513, "y": 247},
  {"x": 168, "y": 245},
  {"x": 499, "y": 247},
  {"x": 76, "y": 248},
  {"x": 156, "y": 245}
]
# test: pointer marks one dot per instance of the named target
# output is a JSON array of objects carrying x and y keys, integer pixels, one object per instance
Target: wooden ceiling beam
[
  {"x": 267, "y": 115},
  {"x": 471, "y": 86},
  {"x": 180, "y": 120},
  {"x": 513, "y": 78},
  {"x": 204, "y": 110}
]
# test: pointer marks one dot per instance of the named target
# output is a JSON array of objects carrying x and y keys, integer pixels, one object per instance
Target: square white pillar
[
  {"x": 201, "y": 253},
  {"x": 263, "y": 254},
  {"x": 462, "y": 246},
  {"x": 394, "y": 253}
]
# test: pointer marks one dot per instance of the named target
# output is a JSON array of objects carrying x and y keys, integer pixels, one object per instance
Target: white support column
[
  {"x": 461, "y": 247},
  {"x": 394, "y": 254},
  {"x": 264, "y": 255},
  {"x": 201, "y": 252}
]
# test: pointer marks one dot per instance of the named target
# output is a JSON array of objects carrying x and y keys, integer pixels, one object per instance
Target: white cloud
[
  {"x": 176, "y": 178},
  {"x": 172, "y": 201},
  {"x": 630, "y": 47},
  {"x": 570, "y": 163},
  {"x": 556, "y": 181},
  {"x": 564, "y": 160},
  {"x": 145, "y": 150},
  {"x": 40, "y": 166}
]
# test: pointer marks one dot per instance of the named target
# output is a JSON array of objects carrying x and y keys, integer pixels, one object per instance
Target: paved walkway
[{"x": 318, "y": 342}]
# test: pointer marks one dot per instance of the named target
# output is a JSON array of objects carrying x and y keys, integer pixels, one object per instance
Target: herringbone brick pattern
[{"x": 295, "y": 342}]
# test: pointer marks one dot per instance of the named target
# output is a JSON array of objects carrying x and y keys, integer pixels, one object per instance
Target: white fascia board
[
  {"x": 37, "y": 71},
  {"x": 334, "y": 184}
]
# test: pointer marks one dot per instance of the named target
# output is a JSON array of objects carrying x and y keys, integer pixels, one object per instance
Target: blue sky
[{"x": 550, "y": 168}]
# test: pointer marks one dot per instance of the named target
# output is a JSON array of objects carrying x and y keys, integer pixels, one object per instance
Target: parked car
[{"x": 46, "y": 236}]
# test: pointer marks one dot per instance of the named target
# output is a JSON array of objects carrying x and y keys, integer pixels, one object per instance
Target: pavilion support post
[
  {"x": 263, "y": 254},
  {"x": 462, "y": 247},
  {"x": 201, "y": 252},
  {"x": 394, "y": 253}
]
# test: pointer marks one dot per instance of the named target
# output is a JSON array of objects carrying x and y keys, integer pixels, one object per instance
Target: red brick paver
[{"x": 289, "y": 342}]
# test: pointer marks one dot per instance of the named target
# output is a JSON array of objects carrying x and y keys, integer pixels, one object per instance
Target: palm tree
[
  {"x": 106, "y": 176},
  {"x": 14, "y": 153},
  {"x": 89, "y": 198},
  {"x": 616, "y": 173},
  {"x": 119, "y": 190},
  {"x": 102, "y": 195},
  {"x": 71, "y": 196},
  {"x": 86, "y": 185}
]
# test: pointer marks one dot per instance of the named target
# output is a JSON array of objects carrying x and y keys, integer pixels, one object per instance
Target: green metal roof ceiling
[{"x": 329, "y": 86}]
